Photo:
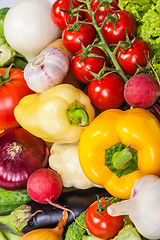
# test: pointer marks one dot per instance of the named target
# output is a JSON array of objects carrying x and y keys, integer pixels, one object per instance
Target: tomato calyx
[
  {"x": 86, "y": 51},
  {"x": 73, "y": 12},
  {"x": 126, "y": 44},
  {"x": 105, "y": 3},
  {"x": 102, "y": 73},
  {"x": 102, "y": 208},
  {"x": 5, "y": 77},
  {"x": 74, "y": 26},
  {"x": 111, "y": 18}
]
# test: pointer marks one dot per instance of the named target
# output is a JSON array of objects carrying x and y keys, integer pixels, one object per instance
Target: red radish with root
[
  {"x": 45, "y": 186},
  {"x": 141, "y": 90}
]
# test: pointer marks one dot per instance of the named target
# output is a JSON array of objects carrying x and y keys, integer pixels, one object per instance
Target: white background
[{"x": 9, "y": 3}]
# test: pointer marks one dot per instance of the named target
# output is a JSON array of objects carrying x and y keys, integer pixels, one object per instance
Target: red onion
[{"x": 21, "y": 153}]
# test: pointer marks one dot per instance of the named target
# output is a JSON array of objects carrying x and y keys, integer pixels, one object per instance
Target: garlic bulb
[
  {"x": 48, "y": 69},
  {"x": 28, "y": 27},
  {"x": 143, "y": 207}
]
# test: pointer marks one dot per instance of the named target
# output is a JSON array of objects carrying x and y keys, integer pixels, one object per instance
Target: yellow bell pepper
[
  {"x": 59, "y": 114},
  {"x": 139, "y": 131}
]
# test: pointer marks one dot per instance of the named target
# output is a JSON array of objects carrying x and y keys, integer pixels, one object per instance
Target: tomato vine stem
[{"x": 103, "y": 44}]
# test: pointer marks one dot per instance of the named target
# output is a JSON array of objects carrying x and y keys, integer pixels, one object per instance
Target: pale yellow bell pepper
[{"x": 59, "y": 114}]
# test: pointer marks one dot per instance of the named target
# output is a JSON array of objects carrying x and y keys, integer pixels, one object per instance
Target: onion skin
[
  {"x": 28, "y": 27},
  {"x": 48, "y": 234},
  {"x": 21, "y": 153}
]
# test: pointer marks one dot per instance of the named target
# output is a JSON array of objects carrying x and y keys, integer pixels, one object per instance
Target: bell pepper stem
[
  {"x": 122, "y": 158},
  {"x": 77, "y": 114}
]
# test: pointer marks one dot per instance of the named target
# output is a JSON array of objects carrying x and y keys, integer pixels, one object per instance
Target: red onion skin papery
[
  {"x": 155, "y": 109},
  {"x": 21, "y": 153}
]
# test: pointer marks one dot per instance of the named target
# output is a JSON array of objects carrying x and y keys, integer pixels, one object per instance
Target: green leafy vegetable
[
  {"x": 147, "y": 15},
  {"x": 6, "y": 53},
  {"x": 75, "y": 231},
  {"x": 129, "y": 233},
  {"x": 137, "y": 7},
  {"x": 149, "y": 30},
  {"x": 85, "y": 237},
  {"x": 3, "y": 12},
  {"x": 7, "y": 235}
]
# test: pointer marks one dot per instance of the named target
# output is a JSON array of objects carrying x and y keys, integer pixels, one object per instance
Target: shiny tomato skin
[
  {"x": 101, "y": 12},
  {"x": 106, "y": 227},
  {"x": 108, "y": 92},
  {"x": 10, "y": 95},
  {"x": 81, "y": 69},
  {"x": 125, "y": 21},
  {"x": 71, "y": 39},
  {"x": 59, "y": 17},
  {"x": 138, "y": 54}
]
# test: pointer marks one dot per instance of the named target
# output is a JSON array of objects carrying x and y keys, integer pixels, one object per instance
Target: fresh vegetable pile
[{"x": 80, "y": 120}]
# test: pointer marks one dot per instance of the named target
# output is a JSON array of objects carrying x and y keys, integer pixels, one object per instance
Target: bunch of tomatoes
[
  {"x": 101, "y": 38},
  {"x": 105, "y": 53}
]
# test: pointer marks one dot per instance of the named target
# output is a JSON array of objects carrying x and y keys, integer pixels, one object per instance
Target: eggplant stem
[{"x": 65, "y": 209}]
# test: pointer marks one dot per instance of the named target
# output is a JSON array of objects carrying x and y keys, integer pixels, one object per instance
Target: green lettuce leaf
[{"x": 128, "y": 233}]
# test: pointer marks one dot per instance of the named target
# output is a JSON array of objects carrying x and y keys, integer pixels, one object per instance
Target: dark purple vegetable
[
  {"x": 155, "y": 109},
  {"x": 76, "y": 200},
  {"x": 35, "y": 215}
]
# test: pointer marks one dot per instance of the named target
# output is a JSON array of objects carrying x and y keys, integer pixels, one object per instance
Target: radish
[
  {"x": 44, "y": 185},
  {"x": 141, "y": 90}
]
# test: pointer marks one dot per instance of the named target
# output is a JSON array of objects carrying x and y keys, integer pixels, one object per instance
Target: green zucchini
[{"x": 9, "y": 200}]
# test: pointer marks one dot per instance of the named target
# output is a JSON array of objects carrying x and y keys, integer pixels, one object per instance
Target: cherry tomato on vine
[
  {"x": 102, "y": 225},
  {"x": 81, "y": 69},
  {"x": 125, "y": 22},
  {"x": 11, "y": 92},
  {"x": 138, "y": 54},
  {"x": 59, "y": 17},
  {"x": 101, "y": 12},
  {"x": 71, "y": 39},
  {"x": 108, "y": 92}
]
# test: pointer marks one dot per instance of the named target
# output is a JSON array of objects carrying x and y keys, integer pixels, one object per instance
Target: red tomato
[
  {"x": 71, "y": 39},
  {"x": 81, "y": 69},
  {"x": 125, "y": 21},
  {"x": 138, "y": 54},
  {"x": 105, "y": 226},
  {"x": 108, "y": 92},
  {"x": 59, "y": 17},
  {"x": 101, "y": 12},
  {"x": 11, "y": 93}
]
